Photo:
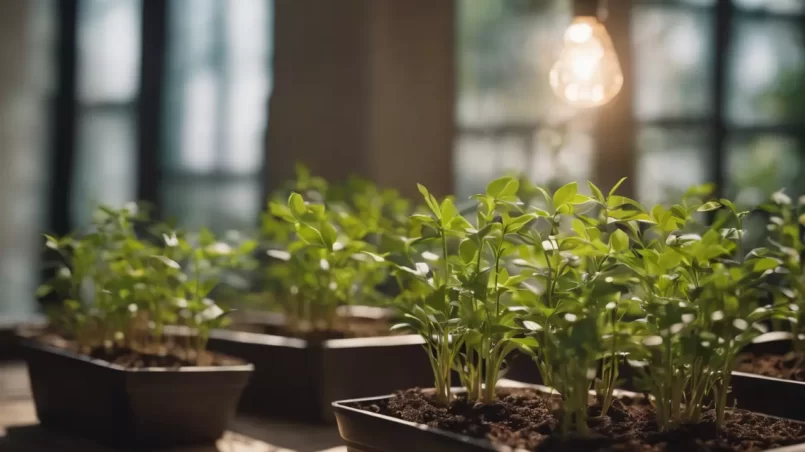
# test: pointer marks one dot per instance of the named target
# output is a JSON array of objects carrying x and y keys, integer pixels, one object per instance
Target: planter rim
[
  {"x": 772, "y": 337},
  {"x": 765, "y": 338},
  {"x": 340, "y": 407},
  {"x": 292, "y": 342},
  {"x": 258, "y": 316},
  {"x": 32, "y": 343}
]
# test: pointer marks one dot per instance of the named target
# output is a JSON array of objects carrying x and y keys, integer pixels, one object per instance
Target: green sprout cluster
[
  {"x": 323, "y": 241},
  {"x": 126, "y": 279},
  {"x": 587, "y": 283}
]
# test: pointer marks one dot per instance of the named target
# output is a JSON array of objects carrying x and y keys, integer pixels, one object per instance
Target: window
[
  {"x": 508, "y": 118},
  {"x": 765, "y": 111},
  {"x": 217, "y": 87},
  {"x": 23, "y": 186},
  {"x": 108, "y": 69},
  {"x": 762, "y": 96},
  {"x": 673, "y": 73},
  {"x": 717, "y": 96}
]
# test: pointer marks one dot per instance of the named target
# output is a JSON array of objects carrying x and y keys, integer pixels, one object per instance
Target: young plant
[
  {"x": 429, "y": 299},
  {"x": 121, "y": 291},
  {"x": 462, "y": 307},
  {"x": 326, "y": 266},
  {"x": 784, "y": 230},
  {"x": 701, "y": 295},
  {"x": 577, "y": 307}
]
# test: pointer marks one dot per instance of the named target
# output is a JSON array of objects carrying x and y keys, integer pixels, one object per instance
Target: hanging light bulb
[{"x": 587, "y": 73}]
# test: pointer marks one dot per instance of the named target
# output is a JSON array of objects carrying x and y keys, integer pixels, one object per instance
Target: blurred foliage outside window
[
  {"x": 509, "y": 120},
  {"x": 218, "y": 82},
  {"x": 507, "y": 117}
]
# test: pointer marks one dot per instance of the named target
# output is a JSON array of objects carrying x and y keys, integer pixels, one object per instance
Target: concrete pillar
[{"x": 364, "y": 87}]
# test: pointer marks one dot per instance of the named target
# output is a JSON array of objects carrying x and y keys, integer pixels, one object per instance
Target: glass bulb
[{"x": 587, "y": 73}]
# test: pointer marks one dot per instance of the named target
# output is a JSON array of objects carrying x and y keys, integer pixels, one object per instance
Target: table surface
[{"x": 20, "y": 432}]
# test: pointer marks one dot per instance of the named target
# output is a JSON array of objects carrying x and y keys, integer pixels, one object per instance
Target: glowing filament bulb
[{"x": 587, "y": 73}]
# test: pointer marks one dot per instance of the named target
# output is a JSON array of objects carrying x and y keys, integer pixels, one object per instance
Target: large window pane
[
  {"x": 218, "y": 83},
  {"x": 551, "y": 157},
  {"x": 505, "y": 52},
  {"x": 766, "y": 70},
  {"x": 248, "y": 41},
  {"x": 762, "y": 164},
  {"x": 217, "y": 205},
  {"x": 108, "y": 78},
  {"x": 673, "y": 61},
  {"x": 26, "y": 86},
  {"x": 108, "y": 50},
  {"x": 509, "y": 119},
  {"x": 669, "y": 161},
  {"x": 773, "y": 6},
  {"x": 106, "y": 165}
]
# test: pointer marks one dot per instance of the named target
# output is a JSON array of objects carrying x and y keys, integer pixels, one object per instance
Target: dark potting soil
[
  {"x": 175, "y": 358},
  {"x": 771, "y": 365},
  {"x": 528, "y": 419},
  {"x": 171, "y": 356}
]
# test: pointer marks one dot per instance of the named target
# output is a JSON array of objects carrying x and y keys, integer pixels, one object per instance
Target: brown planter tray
[
  {"x": 769, "y": 395},
  {"x": 132, "y": 408},
  {"x": 365, "y": 431},
  {"x": 298, "y": 380}
]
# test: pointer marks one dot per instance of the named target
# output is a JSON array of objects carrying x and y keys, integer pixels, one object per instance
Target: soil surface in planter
[
  {"x": 172, "y": 355},
  {"x": 528, "y": 419},
  {"x": 772, "y": 365}
]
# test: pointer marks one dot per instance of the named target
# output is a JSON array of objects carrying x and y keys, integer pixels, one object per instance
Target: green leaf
[
  {"x": 579, "y": 228},
  {"x": 247, "y": 247},
  {"x": 517, "y": 223},
  {"x": 467, "y": 250},
  {"x": 43, "y": 290},
  {"x": 448, "y": 210},
  {"x": 669, "y": 259},
  {"x": 564, "y": 194},
  {"x": 766, "y": 263},
  {"x": 375, "y": 257},
  {"x": 802, "y": 219},
  {"x": 430, "y": 200},
  {"x": 297, "y": 205},
  {"x": 282, "y": 211},
  {"x": 618, "y": 240},
  {"x": 700, "y": 190},
  {"x": 329, "y": 235},
  {"x": 501, "y": 187},
  {"x": 580, "y": 199},
  {"x": 708, "y": 206},
  {"x": 729, "y": 204},
  {"x": 309, "y": 234},
  {"x": 596, "y": 192},
  {"x": 168, "y": 262},
  {"x": 422, "y": 218},
  {"x": 615, "y": 188}
]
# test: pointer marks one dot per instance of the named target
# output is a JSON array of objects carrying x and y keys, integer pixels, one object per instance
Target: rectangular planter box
[
  {"x": 135, "y": 408},
  {"x": 298, "y": 380},
  {"x": 364, "y": 431},
  {"x": 768, "y": 395}
]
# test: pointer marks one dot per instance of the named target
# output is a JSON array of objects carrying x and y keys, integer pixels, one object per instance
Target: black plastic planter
[
  {"x": 134, "y": 408},
  {"x": 768, "y": 395},
  {"x": 298, "y": 380},
  {"x": 364, "y": 431}
]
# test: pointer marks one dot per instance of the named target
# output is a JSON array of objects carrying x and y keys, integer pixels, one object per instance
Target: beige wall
[{"x": 364, "y": 87}]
